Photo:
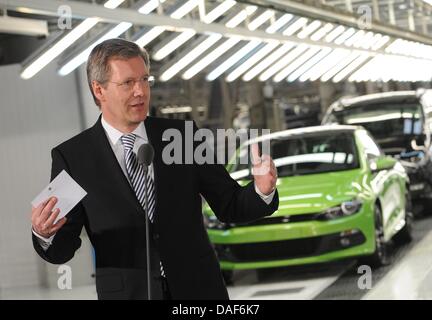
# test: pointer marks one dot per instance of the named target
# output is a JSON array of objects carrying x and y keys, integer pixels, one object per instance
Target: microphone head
[{"x": 145, "y": 154}]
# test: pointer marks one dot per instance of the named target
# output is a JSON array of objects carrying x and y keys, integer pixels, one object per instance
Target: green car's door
[{"x": 388, "y": 183}]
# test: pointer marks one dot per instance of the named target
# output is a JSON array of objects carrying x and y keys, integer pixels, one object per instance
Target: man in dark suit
[{"x": 102, "y": 160}]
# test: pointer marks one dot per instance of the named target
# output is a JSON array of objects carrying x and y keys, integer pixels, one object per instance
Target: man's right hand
[{"x": 43, "y": 218}]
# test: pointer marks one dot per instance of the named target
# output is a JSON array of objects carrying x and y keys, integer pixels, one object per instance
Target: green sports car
[{"x": 339, "y": 197}]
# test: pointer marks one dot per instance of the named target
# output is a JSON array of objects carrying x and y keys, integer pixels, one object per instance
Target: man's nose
[{"x": 138, "y": 88}]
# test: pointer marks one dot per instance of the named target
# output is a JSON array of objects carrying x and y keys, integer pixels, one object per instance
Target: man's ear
[{"x": 98, "y": 90}]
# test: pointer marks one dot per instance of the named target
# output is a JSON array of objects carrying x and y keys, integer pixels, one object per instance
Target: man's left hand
[{"x": 263, "y": 171}]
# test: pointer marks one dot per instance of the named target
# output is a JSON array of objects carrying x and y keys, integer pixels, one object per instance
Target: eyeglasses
[{"x": 129, "y": 84}]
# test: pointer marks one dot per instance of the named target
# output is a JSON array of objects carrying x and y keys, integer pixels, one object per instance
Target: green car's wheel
[
  {"x": 380, "y": 256},
  {"x": 405, "y": 234}
]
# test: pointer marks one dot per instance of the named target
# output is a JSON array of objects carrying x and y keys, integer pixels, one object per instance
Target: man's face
[{"x": 125, "y": 106}]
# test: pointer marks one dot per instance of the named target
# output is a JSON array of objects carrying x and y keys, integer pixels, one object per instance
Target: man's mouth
[{"x": 137, "y": 105}]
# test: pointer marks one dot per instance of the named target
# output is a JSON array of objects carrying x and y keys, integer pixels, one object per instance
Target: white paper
[{"x": 67, "y": 192}]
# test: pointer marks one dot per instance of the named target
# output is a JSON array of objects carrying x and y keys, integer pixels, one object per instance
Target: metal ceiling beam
[
  {"x": 83, "y": 10},
  {"x": 332, "y": 14}
]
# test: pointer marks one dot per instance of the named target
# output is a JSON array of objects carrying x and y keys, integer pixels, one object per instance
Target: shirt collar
[{"x": 114, "y": 135}]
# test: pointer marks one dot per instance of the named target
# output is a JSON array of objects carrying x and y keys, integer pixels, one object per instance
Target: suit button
[{"x": 156, "y": 236}]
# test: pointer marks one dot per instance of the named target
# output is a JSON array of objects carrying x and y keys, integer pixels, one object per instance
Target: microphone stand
[
  {"x": 145, "y": 158},
  {"x": 147, "y": 226}
]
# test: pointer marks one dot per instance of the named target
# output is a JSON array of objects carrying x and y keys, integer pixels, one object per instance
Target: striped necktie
[{"x": 136, "y": 177}]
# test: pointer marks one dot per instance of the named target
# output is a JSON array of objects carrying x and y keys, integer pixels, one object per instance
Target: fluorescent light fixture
[
  {"x": 154, "y": 32},
  {"x": 299, "y": 66},
  {"x": 268, "y": 61},
  {"x": 150, "y": 6},
  {"x": 23, "y": 26},
  {"x": 179, "y": 109},
  {"x": 309, "y": 29},
  {"x": 83, "y": 56},
  {"x": 112, "y": 4},
  {"x": 350, "y": 68},
  {"x": 410, "y": 48},
  {"x": 65, "y": 42},
  {"x": 366, "y": 41},
  {"x": 339, "y": 66},
  {"x": 335, "y": 33},
  {"x": 149, "y": 36},
  {"x": 192, "y": 55},
  {"x": 262, "y": 18},
  {"x": 309, "y": 64},
  {"x": 322, "y": 32},
  {"x": 184, "y": 9},
  {"x": 281, "y": 63},
  {"x": 355, "y": 38},
  {"x": 174, "y": 44},
  {"x": 224, "y": 47},
  {"x": 58, "y": 48},
  {"x": 252, "y": 60},
  {"x": 295, "y": 26},
  {"x": 279, "y": 23},
  {"x": 377, "y": 66},
  {"x": 233, "y": 59},
  {"x": 241, "y": 16},
  {"x": 186, "y": 35},
  {"x": 381, "y": 42},
  {"x": 395, "y": 47},
  {"x": 255, "y": 24},
  {"x": 375, "y": 39},
  {"x": 251, "y": 9},
  {"x": 218, "y": 11},
  {"x": 344, "y": 36},
  {"x": 361, "y": 74},
  {"x": 296, "y": 64},
  {"x": 324, "y": 65}
]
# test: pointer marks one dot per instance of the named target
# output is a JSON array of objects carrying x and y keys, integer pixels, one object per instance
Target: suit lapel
[{"x": 110, "y": 166}]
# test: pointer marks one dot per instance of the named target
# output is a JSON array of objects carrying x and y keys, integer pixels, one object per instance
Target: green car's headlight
[{"x": 345, "y": 209}]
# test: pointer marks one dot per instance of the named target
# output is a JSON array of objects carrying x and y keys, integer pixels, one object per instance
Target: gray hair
[{"x": 98, "y": 68}]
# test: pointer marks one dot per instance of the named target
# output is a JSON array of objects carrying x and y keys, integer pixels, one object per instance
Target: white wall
[
  {"x": 35, "y": 115},
  {"x": 89, "y": 109}
]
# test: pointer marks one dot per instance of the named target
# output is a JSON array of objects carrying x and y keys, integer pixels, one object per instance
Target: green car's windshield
[
  {"x": 384, "y": 119},
  {"x": 308, "y": 154}
]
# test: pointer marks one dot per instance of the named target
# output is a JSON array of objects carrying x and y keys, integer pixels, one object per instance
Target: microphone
[{"x": 145, "y": 156}]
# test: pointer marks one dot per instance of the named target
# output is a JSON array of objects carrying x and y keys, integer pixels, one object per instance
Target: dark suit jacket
[{"x": 115, "y": 221}]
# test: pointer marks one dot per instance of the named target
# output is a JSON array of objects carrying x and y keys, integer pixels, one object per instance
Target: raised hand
[{"x": 263, "y": 171}]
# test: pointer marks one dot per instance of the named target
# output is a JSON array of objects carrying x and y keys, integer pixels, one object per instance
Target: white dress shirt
[{"x": 114, "y": 136}]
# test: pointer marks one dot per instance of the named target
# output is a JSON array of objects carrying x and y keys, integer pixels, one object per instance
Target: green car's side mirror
[{"x": 382, "y": 163}]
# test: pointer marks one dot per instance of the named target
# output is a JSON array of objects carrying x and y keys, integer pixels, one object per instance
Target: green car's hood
[{"x": 317, "y": 192}]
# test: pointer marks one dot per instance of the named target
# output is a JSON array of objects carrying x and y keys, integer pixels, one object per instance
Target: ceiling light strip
[
  {"x": 268, "y": 61},
  {"x": 260, "y": 54},
  {"x": 282, "y": 63}
]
